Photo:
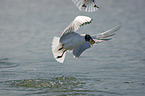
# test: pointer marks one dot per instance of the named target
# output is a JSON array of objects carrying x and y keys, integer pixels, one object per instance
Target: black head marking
[{"x": 87, "y": 37}]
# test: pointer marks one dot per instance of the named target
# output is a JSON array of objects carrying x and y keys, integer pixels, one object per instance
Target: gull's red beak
[{"x": 91, "y": 41}]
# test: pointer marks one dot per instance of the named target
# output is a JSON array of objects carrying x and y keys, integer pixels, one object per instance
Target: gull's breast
[{"x": 74, "y": 42}]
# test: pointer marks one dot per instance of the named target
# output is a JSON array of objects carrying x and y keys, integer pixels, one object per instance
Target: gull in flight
[
  {"x": 86, "y": 5},
  {"x": 78, "y": 43}
]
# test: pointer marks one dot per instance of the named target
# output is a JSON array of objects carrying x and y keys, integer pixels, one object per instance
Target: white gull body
[
  {"x": 76, "y": 43},
  {"x": 86, "y": 5}
]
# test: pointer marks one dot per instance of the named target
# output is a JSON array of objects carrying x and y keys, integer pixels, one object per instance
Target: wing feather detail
[
  {"x": 107, "y": 35},
  {"x": 77, "y": 23}
]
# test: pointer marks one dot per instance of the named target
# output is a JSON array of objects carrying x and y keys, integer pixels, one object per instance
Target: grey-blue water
[{"x": 113, "y": 68}]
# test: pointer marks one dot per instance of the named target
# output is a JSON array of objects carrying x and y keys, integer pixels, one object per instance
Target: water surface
[{"x": 113, "y": 68}]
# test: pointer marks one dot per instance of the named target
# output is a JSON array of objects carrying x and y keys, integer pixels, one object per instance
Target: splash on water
[{"x": 58, "y": 82}]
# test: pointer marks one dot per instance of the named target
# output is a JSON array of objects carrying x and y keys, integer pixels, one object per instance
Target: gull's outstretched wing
[
  {"x": 105, "y": 36},
  {"x": 77, "y": 23},
  {"x": 78, "y": 51},
  {"x": 86, "y": 5},
  {"x": 98, "y": 38},
  {"x": 74, "y": 26}
]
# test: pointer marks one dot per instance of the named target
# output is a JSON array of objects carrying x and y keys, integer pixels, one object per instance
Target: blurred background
[{"x": 112, "y": 68}]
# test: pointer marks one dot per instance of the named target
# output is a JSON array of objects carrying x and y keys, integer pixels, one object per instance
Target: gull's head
[{"x": 89, "y": 38}]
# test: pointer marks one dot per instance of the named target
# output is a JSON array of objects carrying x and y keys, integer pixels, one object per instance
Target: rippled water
[{"x": 113, "y": 68}]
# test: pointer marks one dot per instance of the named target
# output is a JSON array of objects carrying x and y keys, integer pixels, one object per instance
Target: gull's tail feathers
[
  {"x": 107, "y": 35},
  {"x": 56, "y": 52}
]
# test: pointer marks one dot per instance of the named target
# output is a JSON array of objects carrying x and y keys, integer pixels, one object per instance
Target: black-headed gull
[
  {"x": 77, "y": 43},
  {"x": 86, "y": 5}
]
